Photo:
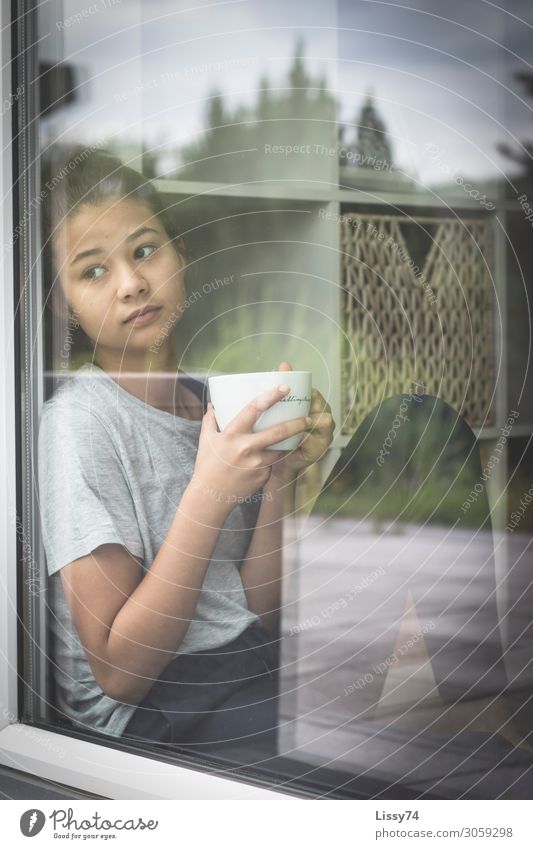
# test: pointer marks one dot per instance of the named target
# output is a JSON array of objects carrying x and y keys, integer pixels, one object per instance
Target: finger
[
  {"x": 244, "y": 421},
  {"x": 271, "y": 458},
  {"x": 284, "y": 366},
  {"x": 318, "y": 402},
  {"x": 275, "y": 433},
  {"x": 321, "y": 422}
]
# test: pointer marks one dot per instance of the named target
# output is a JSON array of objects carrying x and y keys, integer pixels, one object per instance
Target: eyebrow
[{"x": 131, "y": 238}]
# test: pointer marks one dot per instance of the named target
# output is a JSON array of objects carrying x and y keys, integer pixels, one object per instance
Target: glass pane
[
  {"x": 519, "y": 299},
  {"x": 423, "y": 97},
  {"x": 354, "y": 621},
  {"x": 516, "y": 140},
  {"x": 216, "y": 93},
  {"x": 238, "y": 94}
]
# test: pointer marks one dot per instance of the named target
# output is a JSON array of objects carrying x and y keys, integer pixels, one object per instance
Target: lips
[{"x": 142, "y": 316}]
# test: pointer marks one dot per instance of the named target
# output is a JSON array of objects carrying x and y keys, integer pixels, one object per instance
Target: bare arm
[
  {"x": 291, "y": 490},
  {"x": 283, "y": 501},
  {"x": 130, "y": 625},
  {"x": 261, "y": 570}
]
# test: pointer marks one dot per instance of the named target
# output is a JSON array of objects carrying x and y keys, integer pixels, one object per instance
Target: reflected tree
[
  {"x": 522, "y": 155},
  {"x": 372, "y": 147},
  {"x": 298, "y": 111}
]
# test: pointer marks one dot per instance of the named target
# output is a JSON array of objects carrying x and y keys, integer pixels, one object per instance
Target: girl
[{"x": 162, "y": 535}]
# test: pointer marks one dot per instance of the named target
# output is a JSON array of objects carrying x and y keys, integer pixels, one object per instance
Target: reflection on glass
[
  {"x": 366, "y": 626},
  {"x": 285, "y": 133},
  {"x": 439, "y": 82},
  {"x": 399, "y": 661},
  {"x": 395, "y": 571},
  {"x": 228, "y": 96}
]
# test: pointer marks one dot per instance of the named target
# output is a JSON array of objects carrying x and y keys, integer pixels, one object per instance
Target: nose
[{"x": 131, "y": 282}]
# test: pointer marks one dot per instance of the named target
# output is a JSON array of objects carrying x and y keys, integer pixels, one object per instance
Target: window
[{"x": 344, "y": 187}]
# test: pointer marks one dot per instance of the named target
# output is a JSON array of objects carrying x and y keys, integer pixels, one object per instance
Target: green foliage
[{"x": 300, "y": 110}]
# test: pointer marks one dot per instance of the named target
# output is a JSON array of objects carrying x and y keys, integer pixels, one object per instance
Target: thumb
[
  {"x": 284, "y": 366},
  {"x": 209, "y": 422}
]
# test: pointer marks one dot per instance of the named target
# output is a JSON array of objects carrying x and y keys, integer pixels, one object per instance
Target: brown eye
[
  {"x": 140, "y": 255},
  {"x": 91, "y": 273}
]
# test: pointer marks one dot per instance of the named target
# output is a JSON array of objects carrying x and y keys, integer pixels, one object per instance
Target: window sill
[{"x": 111, "y": 773}]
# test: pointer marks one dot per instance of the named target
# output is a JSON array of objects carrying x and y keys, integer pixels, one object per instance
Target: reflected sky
[
  {"x": 439, "y": 76},
  {"x": 150, "y": 66}
]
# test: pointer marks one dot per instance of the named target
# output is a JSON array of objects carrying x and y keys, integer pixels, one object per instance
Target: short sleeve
[{"x": 84, "y": 497}]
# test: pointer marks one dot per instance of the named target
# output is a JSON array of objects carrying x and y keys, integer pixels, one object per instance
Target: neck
[
  {"x": 138, "y": 362},
  {"x": 150, "y": 377}
]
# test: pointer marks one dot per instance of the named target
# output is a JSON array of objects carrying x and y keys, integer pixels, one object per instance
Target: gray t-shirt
[{"x": 112, "y": 469}]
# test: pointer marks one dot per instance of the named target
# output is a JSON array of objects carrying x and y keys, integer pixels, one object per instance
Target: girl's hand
[
  {"x": 234, "y": 463},
  {"x": 315, "y": 442}
]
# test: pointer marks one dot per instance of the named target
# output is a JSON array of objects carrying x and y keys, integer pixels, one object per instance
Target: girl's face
[{"x": 114, "y": 260}]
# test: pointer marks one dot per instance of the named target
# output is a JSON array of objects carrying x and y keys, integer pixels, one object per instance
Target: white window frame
[{"x": 92, "y": 767}]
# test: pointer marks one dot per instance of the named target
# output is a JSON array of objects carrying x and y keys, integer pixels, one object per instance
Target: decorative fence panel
[{"x": 413, "y": 323}]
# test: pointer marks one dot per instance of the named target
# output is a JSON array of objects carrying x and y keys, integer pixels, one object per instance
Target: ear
[{"x": 57, "y": 303}]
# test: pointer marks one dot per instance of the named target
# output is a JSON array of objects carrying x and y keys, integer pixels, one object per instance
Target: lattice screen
[{"x": 412, "y": 322}]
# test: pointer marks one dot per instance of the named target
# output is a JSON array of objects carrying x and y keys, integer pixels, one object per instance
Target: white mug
[{"x": 229, "y": 394}]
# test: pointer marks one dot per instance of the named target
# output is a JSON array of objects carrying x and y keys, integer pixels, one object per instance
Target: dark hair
[{"x": 73, "y": 176}]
